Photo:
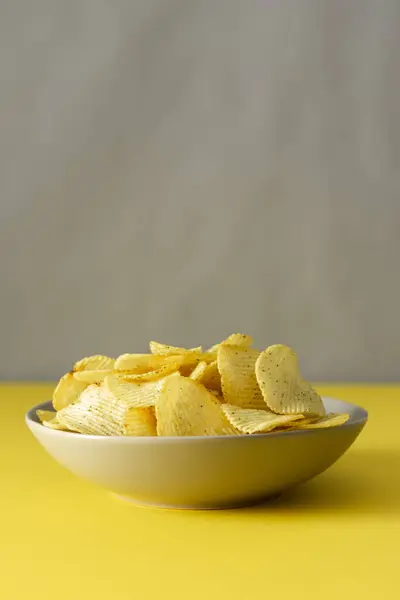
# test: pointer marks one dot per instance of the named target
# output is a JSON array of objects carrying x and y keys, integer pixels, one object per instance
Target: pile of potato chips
[{"x": 230, "y": 389}]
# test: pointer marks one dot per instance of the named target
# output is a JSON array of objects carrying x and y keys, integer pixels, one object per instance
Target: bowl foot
[{"x": 241, "y": 504}]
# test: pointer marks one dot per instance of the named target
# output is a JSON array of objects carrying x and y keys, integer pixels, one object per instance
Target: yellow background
[{"x": 336, "y": 537}]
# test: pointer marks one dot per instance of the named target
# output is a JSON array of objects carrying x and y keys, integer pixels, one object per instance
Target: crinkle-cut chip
[
  {"x": 208, "y": 375},
  {"x": 135, "y": 394},
  {"x": 198, "y": 371},
  {"x": 99, "y": 412},
  {"x": 45, "y": 415},
  {"x": 159, "y": 348},
  {"x": 238, "y": 379},
  {"x": 330, "y": 420},
  {"x": 250, "y": 420},
  {"x": 235, "y": 339},
  {"x": 96, "y": 376},
  {"x": 140, "y": 421},
  {"x": 163, "y": 371},
  {"x": 282, "y": 386},
  {"x": 211, "y": 377},
  {"x": 49, "y": 419},
  {"x": 67, "y": 391},
  {"x": 143, "y": 363},
  {"x": 94, "y": 363},
  {"x": 186, "y": 408}
]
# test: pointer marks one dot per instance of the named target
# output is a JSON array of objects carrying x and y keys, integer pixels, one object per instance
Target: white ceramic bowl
[{"x": 201, "y": 472}]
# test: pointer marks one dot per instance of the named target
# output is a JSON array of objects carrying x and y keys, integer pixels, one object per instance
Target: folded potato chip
[
  {"x": 283, "y": 388},
  {"x": 250, "y": 420},
  {"x": 198, "y": 371},
  {"x": 236, "y": 365},
  {"x": 67, "y": 391},
  {"x": 159, "y": 373},
  {"x": 185, "y": 407}
]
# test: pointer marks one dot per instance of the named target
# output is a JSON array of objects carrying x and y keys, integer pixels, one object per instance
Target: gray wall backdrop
[{"x": 180, "y": 170}]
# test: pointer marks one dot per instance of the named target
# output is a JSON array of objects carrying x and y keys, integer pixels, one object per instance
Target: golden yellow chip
[
  {"x": 67, "y": 391},
  {"x": 158, "y": 348},
  {"x": 135, "y": 394},
  {"x": 236, "y": 339},
  {"x": 143, "y": 363},
  {"x": 49, "y": 419},
  {"x": 159, "y": 373},
  {"x": 45, "y": 415},
  {"x": 99, "y": 412},
  {"x": 330, "y": 420},
  {"x": 185, "y": 407},
  {"x": 238, "y": 380},
  {"x": 283, "y": 388},
  {"x": 96, "y": 376},
  {"x": 198, "y": 371},
  {"x": 140, "y": 421},
  {"x": 250, "y": 420},
  {"x": 93, "y": 363}
]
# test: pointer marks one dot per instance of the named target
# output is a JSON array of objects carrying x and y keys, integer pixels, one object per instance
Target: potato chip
[
  {"x": 49, "y": 419},
  {"x": 158, "y": 348},
  {"x": 99, "y": 412},
  {"x": 238, "y": 380},
  {"x": 283, "y": 388},
  {"x": 67, "y": 391},
  {"x": 236, "y": 339},
  {"x": 140, "y": 422},
  {"x": 135, "y": 394},
  {"x": 45, "y": 415},
  {"x": 198, "y": 371},
  {"x": 143, "y": 363},
  {"x": 159, "y": 373},
  {"x": 185, "y": 407},
  {"x": 330, "y": 420},
  {"x": 96, "y": 376},
  {"x": 93, "y": 363},
  {"x": 250, "y": 420}
]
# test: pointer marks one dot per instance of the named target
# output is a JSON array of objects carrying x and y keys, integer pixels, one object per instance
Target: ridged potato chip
[
  {"x": 236, "y": 365},
  {"x": 236, "y": 339},
  {"x": 283, "y": 388},
  {"x": 185, "y": 407},
  {"x": 67, "y": 391},
  {"x": 250, "y": 420},
  {"x": 99, "y": 412},
  {"x": 330, "y": 420},
  {"x": 143, "y": 363},
  {"x": 49, "y": 419},
  {"x": 93, "y": 363},
  {"x": 96, "y": 376},
  {"x": 208, "y": 375},
  {"x": 140, "y": 422},
  {"x": 45, "y": 415},
  {"x": 158, "y": 348},
  {"x": 198, "y": 371},
  {"x": 159, "y": 373},
  {"x": 141, "y": 395}
]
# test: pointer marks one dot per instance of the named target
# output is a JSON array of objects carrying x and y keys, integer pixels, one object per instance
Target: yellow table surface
[{"x": 337, "y": 536}]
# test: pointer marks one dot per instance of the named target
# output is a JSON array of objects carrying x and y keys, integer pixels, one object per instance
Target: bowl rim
[{"x": 32, "y": 421}]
